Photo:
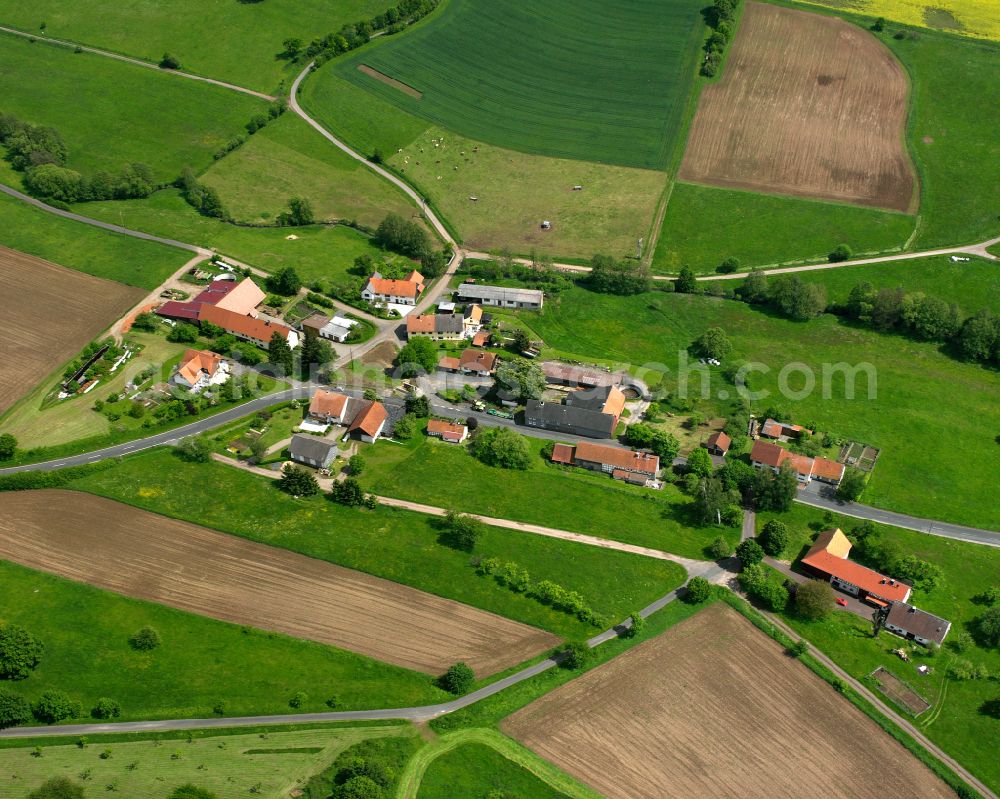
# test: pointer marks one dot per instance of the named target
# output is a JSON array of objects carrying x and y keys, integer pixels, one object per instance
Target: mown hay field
[
  {"x": 713, "y": 707},
  {"x": 569, "y": 78},
  {"x": 50, "y": 314},
  {"x": 969, "y": 17},
  {"x": 809, "y": 106},
  {"x": 192, "y": 568}
]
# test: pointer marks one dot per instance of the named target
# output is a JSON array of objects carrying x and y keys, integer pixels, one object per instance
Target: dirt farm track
[
  {"x": 140, "y": 554},
  {"x": 808, "y": 105},
  {"x": 713, "y": 708},
  {"x": 50, "y": 314}
]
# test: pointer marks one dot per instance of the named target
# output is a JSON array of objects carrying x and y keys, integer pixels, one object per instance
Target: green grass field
[
  {"x": 396, "y": 545},
  {"x": 85, "y": 248},
  {"x": 290, "y": 159},
  {"x": 954, "y": 722},
  {"x": 577, "y": 500},
  {"x": 111, "y": 114},
  {"x": 957, "y": 153},
  {"x": 971, "y": 285},
  {"x": 231, "y": 766},
  {"x": 317, "y": 252},
  {"x": 705, "y": 225},
  {"x": 573, "y": 79},
  {"x": 200, "y": 663},
  {"x": 474, "y": 770},
  {"x": 948, "y": 471},
  {"x": 235, "y": 42}
]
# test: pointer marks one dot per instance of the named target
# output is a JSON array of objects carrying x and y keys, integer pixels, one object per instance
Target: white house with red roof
[
  {"x": 199, "y": 369},
  {"x": 382, "y": 291},
  {"x": 766, "y": 455}
]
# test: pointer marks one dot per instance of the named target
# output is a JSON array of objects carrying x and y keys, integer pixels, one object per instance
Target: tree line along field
[
  {"x": 42, "y": 296},
  {"x": 201, "y": 663},
  {"x": 396, "y": 545},
  {"x": 967, "y": 17},
  {"x": 715, "y": 726},
  {"x": 235, "y": 42},
  {"x": 123, "y": 259},
  {"x": 290, "y": 159},
  {"x": 573, "y": 79},
  {"x": 111, "y": 114},
  {"x": 809, "y": 105},
  {"x": 202, "y": 571},
  {"x": 704, "y": 225},
  {"x": 955, "y": 720},
  {"x": 268, "y": 764},
  {"x": 946, "y": 472}
]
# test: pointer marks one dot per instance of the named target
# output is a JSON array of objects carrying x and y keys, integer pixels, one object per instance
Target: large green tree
[
  {"x": 279, "y": 355},
  {"x": 20, "y": 652},
  {"x": 774, "y": 537},
  {"x": 298, "y": 482},
  {"x": 814, "y": 599},
  {"x": 8, "y": 446},
  {"x": 14, "y": 709},
  {"x": 418, "y": 355},
  {"x": 520, "y": 380},
  {"x": 502, "y": 447}
]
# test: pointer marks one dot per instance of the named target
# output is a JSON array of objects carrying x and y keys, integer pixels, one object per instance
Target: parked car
[{"x": 842, "y": 602}]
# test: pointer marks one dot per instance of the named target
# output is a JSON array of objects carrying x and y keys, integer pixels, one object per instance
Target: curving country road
[{"x": 134, "y": 61}]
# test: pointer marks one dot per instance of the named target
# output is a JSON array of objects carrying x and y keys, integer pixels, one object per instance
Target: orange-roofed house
[
  {"x": 253, "y": 329},
  {"x": 449, "y": 364},
  {"x": 828, "y": 560},
  {"x": 621, "y": 464},
  {"x": 478, "y": 362},
  {"x": 329, "y": 407},
  {"x": 369, "y": 423},
  {"x": 782, "y": 431},
  {"x": 765, "y": 455},
  {"x": 199, "y": 369},
  {"x": 381, "y": 291},
  {"x": 451, "y": 432},
  {"x": 718, "y": 443}
]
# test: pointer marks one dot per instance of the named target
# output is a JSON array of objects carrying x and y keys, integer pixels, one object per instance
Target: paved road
[
  {"x": 135, "y": 61},
  {"x": 943, "y": 529},
  {"x": 136, "y": 234},
  {"x": 418, "y": 714}
]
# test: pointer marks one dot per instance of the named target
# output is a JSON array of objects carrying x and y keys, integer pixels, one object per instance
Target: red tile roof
[
  {"x": 618, "y": 458},
  {"x": 449, "y": 431},
  {"x": 562, "y": 453},
  {"x": 327, "y": 403},
  {"x": 822, "y": 559},
  {"x": 615, "y": 403},
  {"x": 481, "y": 339},
  {"x": 258, "y": 329},
  {"x": 240, "y": 297},
  {"x": 195, "y": 362},
  {"x": 370, "y": 419},
  {"x": 410, "y": 286},
  {"x": 447, "y": 362},
  {"x": 767, "y": 453},
  {"x": 824, "y": 468},
  {"x": 720, "y": 440},
  {"x": 478, "y": 360},
  {"x": 419, "y": 324}
]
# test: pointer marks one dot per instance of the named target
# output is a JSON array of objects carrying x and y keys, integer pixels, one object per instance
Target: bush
[
  {"x": 169, "y": 62},
  {"x": 194, "y": 450},
  {"x": 749, "y": 552},
  {"x": 698, "y": 590},
  {"x": 989, "y": 626},
  {"x": 53, "y": 706},
  {"x": 192, "y": 792},
  {"x": 773, "y": 538},
  {"x": 814, "y": 600},
  {"x": 356, "y": 463},
  {"x": 298, "y": 482},
  {"x": 20, "y": 652},
  {"x": 501, "y": 447},
  {"x": 636, "y": 627},
  {"x": 14, "y": 709},
  {"x": 58, "y": 788},
  {"x": 574, "y": 655},
  {"x": 298, "y": 700},
  {"x": 145, "y": 640},
  {"x": 728, "y": 266},
  {"x": 8, "y": 446},
  {"x": 799, "y": 648},
  {"x": 840, "y": 253},
  {"x": 462, "y": 532},
  {"x": 183, "y": 333},
  {"x": 106, "y": 709},
  {"x": 348, "y": 492},
  {"x": 720, "y": 548},
  {"x": 459, "y": 679}
]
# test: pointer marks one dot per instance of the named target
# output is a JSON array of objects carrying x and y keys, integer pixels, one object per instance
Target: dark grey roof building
[
  {"x": 917, "y": 625},
  {"x": 575, "y": 420},
  {"x": 312, "y": 451}
]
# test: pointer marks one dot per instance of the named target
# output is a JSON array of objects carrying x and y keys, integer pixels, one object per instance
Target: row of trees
[
  {"x": 41, "y": 153},
  {"x": 609, "y": 275},
  {"x": 352, "y": 36},
  {"x": 722, "y": 18}
]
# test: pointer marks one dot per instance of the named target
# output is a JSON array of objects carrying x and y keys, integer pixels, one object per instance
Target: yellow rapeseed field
[{"x": 971, "y": 17}]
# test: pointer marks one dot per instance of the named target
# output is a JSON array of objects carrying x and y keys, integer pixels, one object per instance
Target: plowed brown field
[
  {"x": 140, "y": 554},
  {"x": 808, "y": 105},
  {"x": 49, "y": 314},
  {"x": 714, "y": 708}
]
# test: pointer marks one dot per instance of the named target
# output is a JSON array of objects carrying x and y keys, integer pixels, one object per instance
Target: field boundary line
[
  {"x": 134, "y": 61},
  {"x": 415, "y": 770}
]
